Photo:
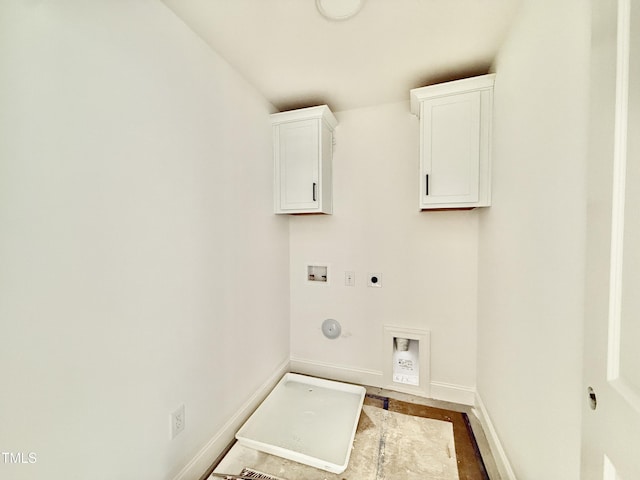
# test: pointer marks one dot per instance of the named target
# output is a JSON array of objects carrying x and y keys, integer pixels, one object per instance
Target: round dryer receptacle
[{"x": 331, "y": 328}]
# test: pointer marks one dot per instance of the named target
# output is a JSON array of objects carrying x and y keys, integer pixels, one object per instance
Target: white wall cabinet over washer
[
  {"x": 455, "y": 142},
  {"x": 303, "y": 151}
]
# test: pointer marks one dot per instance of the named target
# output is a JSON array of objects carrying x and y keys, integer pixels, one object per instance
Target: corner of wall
[
  {"x": 499, "y": 455},
  {"x": 203, "y": 460}
]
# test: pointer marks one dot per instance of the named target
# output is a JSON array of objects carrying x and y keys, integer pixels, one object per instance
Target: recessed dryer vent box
[
  {"x": 308, "y": 420},
  {"x": 406, "y": 361},
  {"x": 406, "y": 353}
]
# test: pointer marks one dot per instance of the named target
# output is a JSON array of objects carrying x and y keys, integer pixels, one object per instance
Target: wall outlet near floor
[{"x": 177, "y": 421}]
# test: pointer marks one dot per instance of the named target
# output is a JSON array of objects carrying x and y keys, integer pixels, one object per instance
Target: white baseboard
[
  {"x": 221, "y": 440},
  {"x": 450, "y": 392},
  {"x": 500, "y": 456},
  {"x": 437, "y": 390},
  {"x": 341, "y": 373}
]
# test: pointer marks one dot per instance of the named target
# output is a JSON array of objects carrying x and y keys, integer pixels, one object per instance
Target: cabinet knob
[
  {"x": 314, "y": 191},
  {"x": 426, "y": 185}
]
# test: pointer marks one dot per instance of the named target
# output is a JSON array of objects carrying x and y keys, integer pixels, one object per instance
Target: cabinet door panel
[
  {"x": 298, "y": 151},
  {"x": 451, "y": 143}
]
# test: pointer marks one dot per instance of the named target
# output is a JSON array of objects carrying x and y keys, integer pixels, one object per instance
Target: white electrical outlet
[
  {"x": 349, "y": 279},
  {"x": 177, "y": 421}
]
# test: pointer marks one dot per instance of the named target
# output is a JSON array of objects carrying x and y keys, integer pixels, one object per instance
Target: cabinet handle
[
  {"x": 314, "y": 191},
  {"x": 426, "y": 185}
]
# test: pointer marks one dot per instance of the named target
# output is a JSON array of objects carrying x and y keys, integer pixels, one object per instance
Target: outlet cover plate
[
  {"x": 177, "y": 421},
  {"x": 349, "y": 279}
]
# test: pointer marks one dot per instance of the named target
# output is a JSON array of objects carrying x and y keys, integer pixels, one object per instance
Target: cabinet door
[
  {"x": 451, "y": 150},
  {"x": 298, "y": 153}
]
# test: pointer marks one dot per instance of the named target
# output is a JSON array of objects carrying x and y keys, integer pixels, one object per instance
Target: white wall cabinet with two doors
[
  {"x": 303, "y": 150},
  {"x": 455, "y": 147}
]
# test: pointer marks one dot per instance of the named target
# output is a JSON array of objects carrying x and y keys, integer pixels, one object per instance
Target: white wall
[
  {"x": 140, "y": 264},
  {"x": 427, "y": 260},
  {"x": 532, "y": 242}
]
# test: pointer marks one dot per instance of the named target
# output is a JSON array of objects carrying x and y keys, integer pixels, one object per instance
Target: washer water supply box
[{"x": 308, "y": 420}]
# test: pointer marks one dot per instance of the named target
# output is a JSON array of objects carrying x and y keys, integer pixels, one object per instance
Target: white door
[
  {"x": 611, "y": 432},
  {"x": 451, "y": 144},
  {"x": 298, "y": 150}
]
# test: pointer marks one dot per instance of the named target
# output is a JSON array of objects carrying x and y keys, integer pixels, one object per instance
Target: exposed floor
[
  {"x": 478, "y": 432},
  {"x": 242, "y": 454}
]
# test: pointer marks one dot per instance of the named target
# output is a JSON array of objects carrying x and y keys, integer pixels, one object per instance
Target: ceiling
[{"x": 296, "y": 58}]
